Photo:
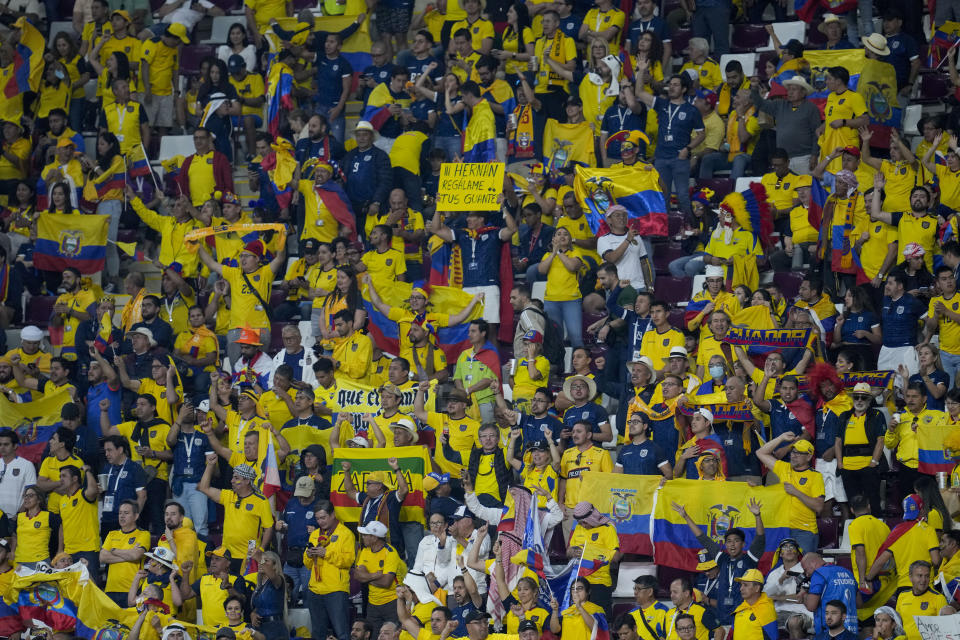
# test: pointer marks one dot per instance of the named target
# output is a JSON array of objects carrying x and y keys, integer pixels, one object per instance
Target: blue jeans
[
  {"x": 806, "y": 539},
  {"x": 329, "y": 610},
  {"x": 533, "y": 274},
  {"x": 452, "y": 146},
  {"x": 301, "y": 581},
  {"x": 951, "y": 363},
  {"x": 570, "y": 315},
  {"x": 687, "y": 266},
  {"x": 114, "y": 209},
  {"x": 860, "y": 22},
  {"x": 713, "y": 21},
  {"x": 675, "y": 175},
  {"x": 195, "y": 506},
  {"x": 337, "y": 126},
  {"x": 717, "y": 161},
  {"x": 412, "y": 533},
  {"x": 78, "y": 107}
]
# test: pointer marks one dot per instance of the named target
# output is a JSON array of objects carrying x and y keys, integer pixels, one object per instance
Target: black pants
[
  {"x": 602, "y": 596},
  {"x": 151, "y": 518},
  {"x": 864, "y": 482}
]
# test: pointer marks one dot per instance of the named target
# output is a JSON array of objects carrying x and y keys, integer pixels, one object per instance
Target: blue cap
[{"x": 911, "y": 507}]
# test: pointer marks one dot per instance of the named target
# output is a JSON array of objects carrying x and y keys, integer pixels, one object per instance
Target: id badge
[
  {"x": 108, "y": 503},
  {"x": 668, "y": 137},
  {"x": 258, "y": 307},
  {"x": 319, "y": 222},
  {"x": 188, "y": 471},
  {"x": 728, "y": 602},
  {"x": 120, "y": 138}
]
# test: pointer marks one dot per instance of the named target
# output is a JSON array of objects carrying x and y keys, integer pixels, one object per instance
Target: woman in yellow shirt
[
  {"x": 563, "y": 301},
  {"x": 55, "y": 91},
  {"x": 35, "y": 528},
  {"x": 233, "y": 606},
  {"x": 346, "y": 295},
  {"x": 516, "y": 43},
  {"x": 532, "y": 370},
  {"x": 67, "y": 53},
  {"x": 579, "y": 619},
  {"x": 21, "y": 215}
]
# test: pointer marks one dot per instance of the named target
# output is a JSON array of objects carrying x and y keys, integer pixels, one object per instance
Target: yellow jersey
[
  {"x": 331, "y": 573},
  {"x": 120, "y": 574},
  {"x": 244, "y": 520},
  {"x": 81, "y": 523},
  {"x": 245, "y": 306},
  {"x": 386, "y": 560},
  {"x": 572, "y": 465}
]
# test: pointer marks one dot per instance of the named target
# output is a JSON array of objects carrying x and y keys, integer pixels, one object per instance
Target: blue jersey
[
  {"x": 619, "y": 118},
  {"x": 900, "y": 319},
  {"x": 590, "y": 413},
  {"x": 678, "y": 122},
  {"x": 95, "y": 394},
  {"x": 864, "y": 320},
  {"x": 533, "y": 428},
  {"x": 833, "y": 582},
  {"x": 329, "y": 75},
  {"x": 644, "y": 459},
  {"x": 298, "y": 516},
  {"x": 782, "y": 420},
  {"x": 480, "y": 256}
]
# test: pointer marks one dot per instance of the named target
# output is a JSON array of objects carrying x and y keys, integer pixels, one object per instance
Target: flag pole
[{"x": 146, "y": 159}]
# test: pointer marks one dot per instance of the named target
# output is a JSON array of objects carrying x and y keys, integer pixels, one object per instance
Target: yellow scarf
[
  {"x": 545, "y": 75},
  {"x": 192, "y": 238},
  {"x": 521, "y": 138},
  {"x": 733, "y": 133},
  {"x": 131, "y": 313}
]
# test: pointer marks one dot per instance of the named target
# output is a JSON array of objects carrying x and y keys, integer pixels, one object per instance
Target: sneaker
[{"x": 110, "y": 288}]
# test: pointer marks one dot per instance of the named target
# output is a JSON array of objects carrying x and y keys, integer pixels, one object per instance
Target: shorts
[
  {"x": 491, "y": 302},
  {"x": 160, "y": 111},
  {"x": 832, "y": 484},
  {"x": 394, "y": 20},
  {"x": 237, "y": 124}
]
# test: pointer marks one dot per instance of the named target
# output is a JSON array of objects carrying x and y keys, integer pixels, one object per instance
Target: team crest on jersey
[
  {"x": 389, "y": 261},
  {"x": 130, "y": 540},
  {"x": 36, "y": 525},
  {"x": 803, "y": 480},
  {"x": 16, "y": 472},
  {"x": 249, "y": 507},
  {"x": 924, "y": 605},
  {"x": 722, "y": 518}
]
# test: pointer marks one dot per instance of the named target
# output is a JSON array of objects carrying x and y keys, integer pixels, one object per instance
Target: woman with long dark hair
[
  {"x": 516, "y": 43},
  {"x": 218, "y": 101},
  {"x": 346, "y": 295},
  {"x": 60, "y": 199},
  {"x": 78, "y": 71},
  {"x": 696, "y": 235},
  {"x": 117, "y": 67},
  {"x": 104, "y": 184},
  {"x": 238, "y": 43}
]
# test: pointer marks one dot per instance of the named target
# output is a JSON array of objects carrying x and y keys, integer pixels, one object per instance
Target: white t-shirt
[
  {"x": 628, "y": 266},
  {"x": 773, "y": 587},
  {"x": 14, "y": 478},
  {"x": 185, "y": 15}
]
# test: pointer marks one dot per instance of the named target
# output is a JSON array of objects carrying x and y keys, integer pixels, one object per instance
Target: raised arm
[{"x": 204, "y": 485}]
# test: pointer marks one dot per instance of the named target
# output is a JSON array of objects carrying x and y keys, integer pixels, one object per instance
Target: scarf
[
  {"x": 545, "y": 76},
  {"x": 511, "y": 531},
  {"x": 521, "y": 138},
  {"x": 196, "y": 337},
  {"x": 131, "y": 313},
  {"x": 587, "y": 515},
  {"x": 192, "y": 238},
  {"x": 733, "y": 133}
]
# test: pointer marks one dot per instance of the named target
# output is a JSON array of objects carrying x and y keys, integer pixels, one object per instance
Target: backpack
[{"x": 553, "y": 349}]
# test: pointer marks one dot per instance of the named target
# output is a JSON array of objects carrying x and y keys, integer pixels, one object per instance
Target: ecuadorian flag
[
  {"x": 725, "y": 506},
  {"x": 70, "y": 240},
  {"x": 637, "y": 189},
  {"x": 280, "y": 90},
  {"x": 34, "y": 421},
  {"x": 414, "y": 464},
  {"x": 628, "y": 501},
  {"x": 480, "y": 134},
  {"x": 933, "y": 455},
  {"x": 27, "y": 60}
]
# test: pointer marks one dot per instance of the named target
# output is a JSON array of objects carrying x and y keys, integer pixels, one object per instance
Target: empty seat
[
  {"x": 192, "y": 55},
  {"x": 219, "y": 30},
  {"x": 629, "y": 571},
  {"x": 680, "y": 40},
  {"x": 276, "y": 334},
  {"x": 665, "y": 254},
  {"x": 747, "y": 38},
  {"x": 789, "y": 283},
  {"x": 673, "y": 290},
  {"x": 39, "y": 309},
  {"x": 719, "y": 186},
  {"x": 933, "y": 88},
  {"x": 176, "y": 145},
  {"x": 676, "y": 319},
  {"x": 747, "y": 60}
]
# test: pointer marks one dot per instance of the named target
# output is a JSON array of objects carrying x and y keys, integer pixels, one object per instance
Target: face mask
[{"x": 716, "y": 372}]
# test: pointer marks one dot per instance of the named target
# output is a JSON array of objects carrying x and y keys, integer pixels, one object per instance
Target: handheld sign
[{"x": 470, "y": 186}]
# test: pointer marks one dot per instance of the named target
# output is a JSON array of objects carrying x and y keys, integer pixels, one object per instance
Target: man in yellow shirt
[
  {"x": 802, "y": 483},
  {"x": 385, "y": 264},
  {"x": 250, "y": 286},
  {"x": 251, "y": 94},
  {"x": 603, "y": 22},
  {"x": 708, "y": 74},
  {"x": 377, "y": 567},
  {"x": 597, "y": 529},
  {"x": 582, "y": 456},
  {"x": 32, "y": 357},
  {"x": 453, "y": 428},
  {"x": 78, "y": 513},
  {"x": 466, "y": 57},
  {"x": 911, "y": 541},
  {"x": 123, "y": 551},
  {"x": 947, "y": 174},
  {"x": 126, "y": 119},
  {"x": 247, "y": 520},
  {"x": 742, "y": 131},
  {"x": 160, "y": 62},
  {"x": 61, "y": 455},
  {"x": 920, "y": 600},
  {"x": 551, "y": 88},
  {"x": 352, "y": 351},
  {"x": 943, "y": 317},
  {"x": 902, "y": 431},
  {"x": 330, "y": 554},
  {"x": 481, "y": 31},
  {"x": 72, "y": 307},
  {"x": 843, "y": 115}
]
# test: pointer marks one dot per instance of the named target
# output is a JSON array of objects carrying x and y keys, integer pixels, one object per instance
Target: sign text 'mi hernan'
[{"x": 472, "y": 186}]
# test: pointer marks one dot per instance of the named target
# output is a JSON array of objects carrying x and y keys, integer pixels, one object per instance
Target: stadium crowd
[{"x": 756, "y": 284}]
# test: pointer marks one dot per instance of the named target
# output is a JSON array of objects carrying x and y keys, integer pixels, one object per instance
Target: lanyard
[
  {"x": 119, "y": 474},
  {"x": 189, "y": 445},
  {"x": 671, "y": 114},
  {"x": 240, "y": 427},
  {"x": 121, "y": 116},
  {"x": 170, "y": 306}
]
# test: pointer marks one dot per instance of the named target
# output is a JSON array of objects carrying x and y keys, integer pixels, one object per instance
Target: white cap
[
  {"x": 706, "y": 413},
  {"x": 374, "y": 528},
  {"x": 713, "y": 271},
  {"x": 364, "y": 125},
  {"x": 31, "y": 333},
  {"x": 360, "y": 441},
  {"x": 678, "y": 352},
  {"x": 404, "y": 423}
]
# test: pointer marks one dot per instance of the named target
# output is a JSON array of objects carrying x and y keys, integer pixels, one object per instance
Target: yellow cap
[{"x": 751, "y": 575}]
